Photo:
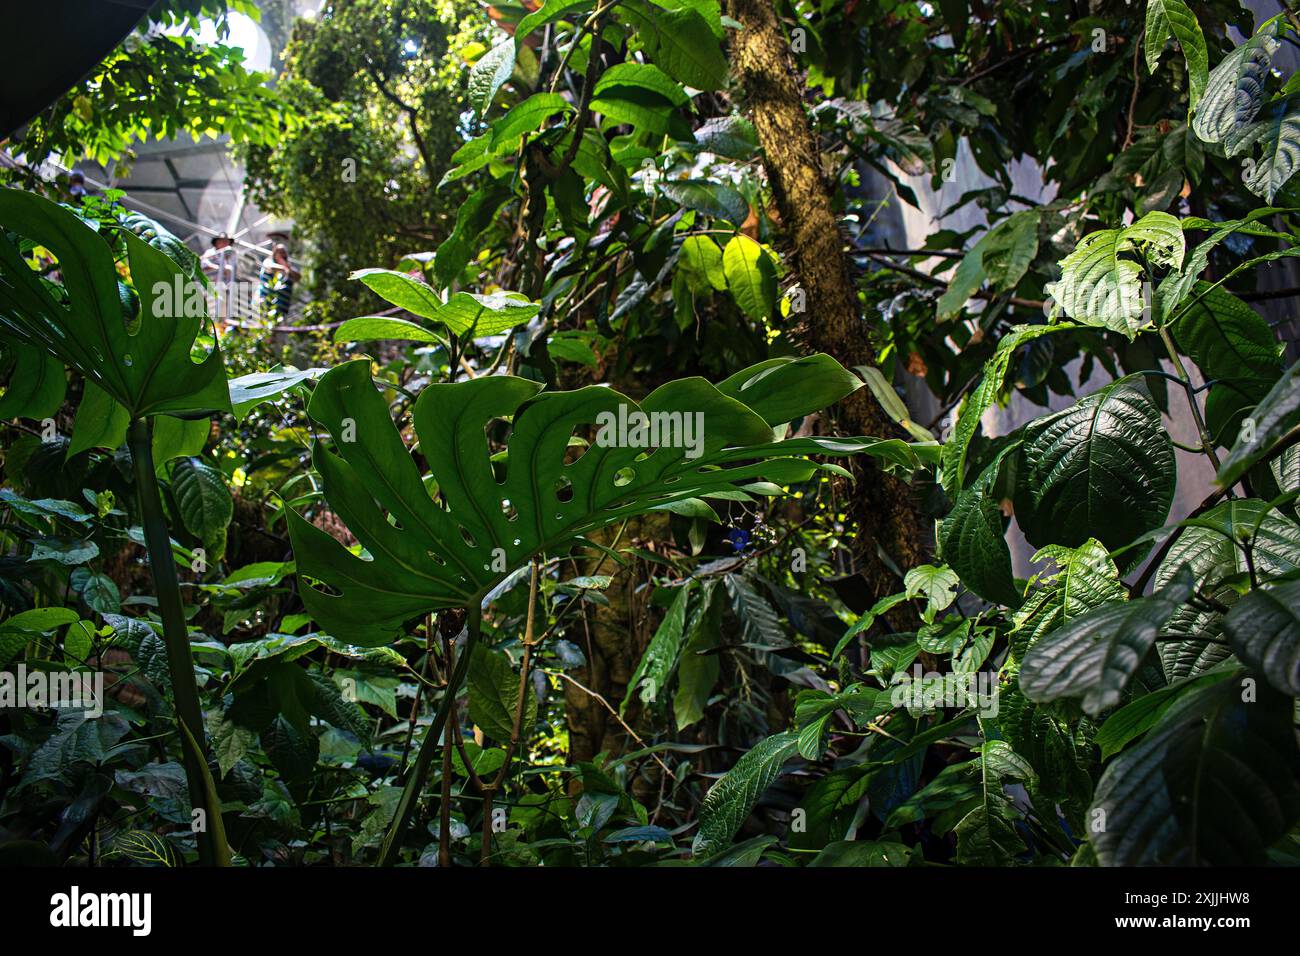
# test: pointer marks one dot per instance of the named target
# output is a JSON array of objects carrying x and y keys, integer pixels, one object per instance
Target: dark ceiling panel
[{"x": 76, "y": 34}]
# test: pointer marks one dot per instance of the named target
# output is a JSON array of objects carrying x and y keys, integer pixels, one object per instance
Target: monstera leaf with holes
[
  {"x": 422, "y": 554},
  {"x": 144, "y": 363},
  {"x": 133, "y": 347}
]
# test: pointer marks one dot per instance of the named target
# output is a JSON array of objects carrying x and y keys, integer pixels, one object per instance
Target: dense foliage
[{"x": 582, "y": 547}]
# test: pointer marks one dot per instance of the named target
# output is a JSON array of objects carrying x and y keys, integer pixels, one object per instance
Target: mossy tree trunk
[{"x": 763, "y": 64}]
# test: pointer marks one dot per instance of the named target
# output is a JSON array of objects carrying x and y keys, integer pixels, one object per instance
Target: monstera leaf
[
  {"x": 144, "y": 363},
  {"x": 423, "y": 555}
]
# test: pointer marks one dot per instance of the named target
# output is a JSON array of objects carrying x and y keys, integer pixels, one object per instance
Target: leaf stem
[
  {"x": 419, "y": 774},
  {"x": 176, "y": 637},
  {"x": 1207, "y": 443}
]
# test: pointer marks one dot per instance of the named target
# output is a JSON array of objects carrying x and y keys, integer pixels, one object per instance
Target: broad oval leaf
[
  {"x": 1264, "y": 629},
  {"x": 1215, "y": 782},
  {"x": 1100, "y": 281},
  {"x": 1102, "y": 468}
]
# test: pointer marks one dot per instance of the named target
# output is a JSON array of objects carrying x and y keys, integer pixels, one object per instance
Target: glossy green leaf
[
  {"x": 1102, "y": 468},
  {"x": 1095, "y": 656},
  {"x": 144, "y": 366},
  {"x": 730, "y": 800},
  {"x": 423, "y": 555},
  {"x": 1264, "y": 629},
  {"x": 1215, "y": 782}
]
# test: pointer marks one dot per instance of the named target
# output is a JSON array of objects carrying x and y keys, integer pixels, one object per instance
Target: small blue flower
[{"x": 738, "y": 538}]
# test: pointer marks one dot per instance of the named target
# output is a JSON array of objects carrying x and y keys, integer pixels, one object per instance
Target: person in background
[
  {"x": 218, "y": 264},
  {"x": 278, "y": 276},
  {"x": 77, "y": 186}
]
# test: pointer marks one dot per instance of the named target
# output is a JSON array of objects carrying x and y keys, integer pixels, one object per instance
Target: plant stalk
[
  {"x": 176, "y": 637},
  {"x": 419, "y": 773}
]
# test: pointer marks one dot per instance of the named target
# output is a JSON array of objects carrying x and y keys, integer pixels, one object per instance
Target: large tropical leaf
[
  {"x": 1235, "y": 90},
  {"x": 422, "y": 554},
  {"x": 1276, "y": 414},
  {"x": 1096, "y": 655},
  {"x": 1173, "y": 16},
  {"x": 1102, "y": 468},
  {"x": 1216, "y": 782},
  {"x": 972, "y": 542},
  {"x": 731, "y": 799},
  {"x": 1101, "y": 281},
  {"x": 1264, "y": 629},
  {"x": 143, "y": 364},
  {"x": 1214, "y": 550}
]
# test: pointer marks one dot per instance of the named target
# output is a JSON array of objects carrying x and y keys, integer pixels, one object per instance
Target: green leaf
[
  {"x": 1264, "y": 629},
  {"x": 1227, "y": 339},
  {"x": 710, "y": 199},
  {"x": 1234, "y": 92},
  {"x": 64, "y": 551},
  {"x": 702, "y": 260},
  {"x": 697, "y": 670},
  {"x": 1096, "y": 655},
  {"x": 553, "y": 10},
  {"x": 680, "y": 41},
  {"x": 249, "y": 391},
  {"x": 292, "y": 751},
  {"x": 204, "y": 502},
  {"x": 524, "y": 118},
  {"x": 730, "y": 800},
  {"x": 781, "y": 390},
  {"x": 644, "y": 75},
  {"x": 863, "y": 853},
  {"x": 490, "y": 73},
  {"x": 1277, "y": 132},
  {"x": 1104, "y": 468},
  {"x": 462, "y": 312},
  {"x": 982, "y": 398},
  {"x": 494, "y": 694},
  {"x": 966, "y": 280},
  {"x": 651, "y": 676},
  {"x": 36, "y": 381},
  {"x": 1100, "y": 286},
  {"x": 971, "y": 540},
  {"x": 1213, "y": 549},
  {"x": 422, "y": 555},
  {"x": 751, "y": 277},
  {"x": 486, "y": 314},
  {"x": 370, "y": 328},
  {"x": 1085, "y": 578},
  {"x": 98, "y": 591},
  {"x": 146, "y": 369},
  {"x": 178, "y": 438},
  {"x": 937, "y": 584},
  {"x": 1164, "y": 16},
  {"x": 1134, "y": 719},
  {"x": 730, "y": 136},
  {"x": 987, "y": 836},
  {"x": 101, "y": 422},
  {"x": 402, "y": 290},
  {"x": 1215, "y": 782},
  {"x": 24, "y": 627},
  {"x": 1276, "y": 414},
  {"x": 77, "y": 739}
]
